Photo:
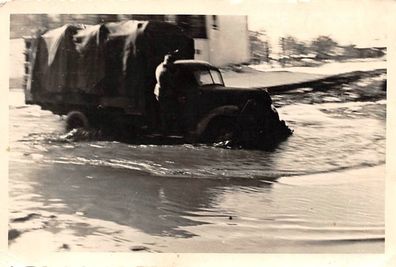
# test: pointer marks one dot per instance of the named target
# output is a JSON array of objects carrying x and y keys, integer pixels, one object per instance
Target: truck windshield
[{"x": 208, "y": 77}]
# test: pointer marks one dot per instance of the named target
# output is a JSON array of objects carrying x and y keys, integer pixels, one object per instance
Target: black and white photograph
[{"x": 261, "y": 130}]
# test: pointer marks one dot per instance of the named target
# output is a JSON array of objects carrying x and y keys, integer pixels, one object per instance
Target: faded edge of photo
[{"x": 145, "y": 259}]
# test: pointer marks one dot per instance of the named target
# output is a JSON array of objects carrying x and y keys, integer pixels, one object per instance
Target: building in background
[
  {"x": 220, "y": 40},
  {"x": 227, "y": 41}
]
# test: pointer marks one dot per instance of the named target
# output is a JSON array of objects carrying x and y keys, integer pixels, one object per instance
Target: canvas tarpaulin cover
[
  {"x": 56, "y": 61},
  {"x": 112, "y": 59}
]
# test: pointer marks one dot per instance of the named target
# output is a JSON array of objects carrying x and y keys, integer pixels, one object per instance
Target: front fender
[{"x": 229, "y": 110}]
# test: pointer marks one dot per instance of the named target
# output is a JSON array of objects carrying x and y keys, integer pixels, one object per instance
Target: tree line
[{"x": 292, "y": 51}]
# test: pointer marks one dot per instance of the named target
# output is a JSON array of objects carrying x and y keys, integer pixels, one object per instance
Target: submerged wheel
[
  {"x": 76, "y": 120},
  {"x": 219, "y": 129}
]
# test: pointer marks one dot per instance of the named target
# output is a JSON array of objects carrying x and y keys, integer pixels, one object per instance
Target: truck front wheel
[
  {"x": 75, "y": 120},
  {"x": 219, "y": 129}
]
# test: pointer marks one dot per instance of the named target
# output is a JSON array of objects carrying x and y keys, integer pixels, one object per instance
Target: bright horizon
[{"x": 347, "y": 22}]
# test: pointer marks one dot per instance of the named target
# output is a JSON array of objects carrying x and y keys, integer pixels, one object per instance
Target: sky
[{"x": 360, "y": 22}]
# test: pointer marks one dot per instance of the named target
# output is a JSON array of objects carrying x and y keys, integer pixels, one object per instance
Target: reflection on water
[
  {"x": 312, "y": 188},
  {"x": 157, "y": 206}
]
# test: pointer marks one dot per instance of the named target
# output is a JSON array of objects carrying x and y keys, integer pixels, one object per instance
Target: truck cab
[{"x": 209, "y": 111}]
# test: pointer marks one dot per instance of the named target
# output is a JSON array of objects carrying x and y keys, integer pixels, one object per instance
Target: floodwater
[{"x": 322, "y": 190}]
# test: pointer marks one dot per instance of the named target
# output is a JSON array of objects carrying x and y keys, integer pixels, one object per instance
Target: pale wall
[
  {"x": 203, "y": 46},
  {"x": 229, "y": 44},
  {"x": 17, "y": 58}
]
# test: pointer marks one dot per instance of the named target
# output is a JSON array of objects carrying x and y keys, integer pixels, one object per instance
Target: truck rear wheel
[{"x": 76, "y": 120}]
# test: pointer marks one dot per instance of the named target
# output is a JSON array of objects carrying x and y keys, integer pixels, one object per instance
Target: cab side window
[{"x": 203, "y": 77}]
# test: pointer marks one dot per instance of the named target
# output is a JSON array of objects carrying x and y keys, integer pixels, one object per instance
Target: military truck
[{"x": 103, "y": 77}]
